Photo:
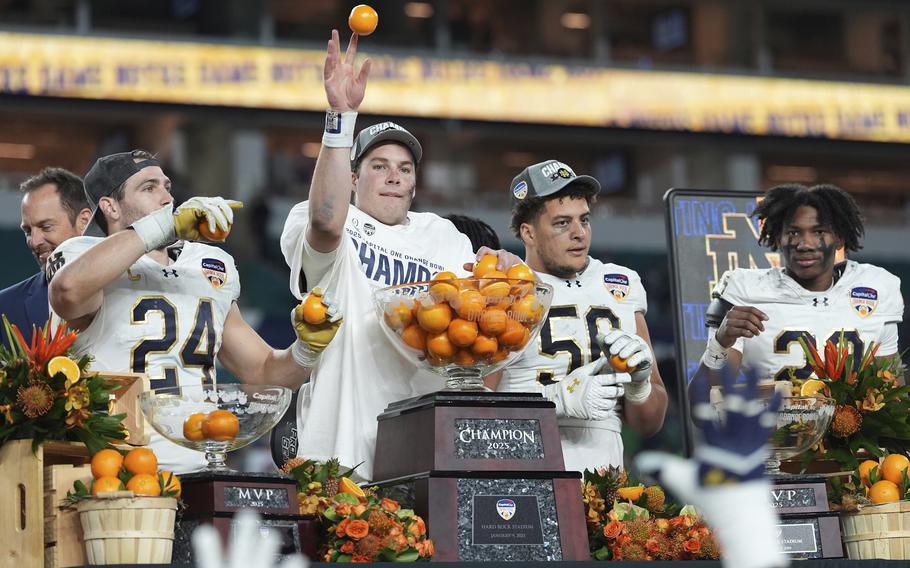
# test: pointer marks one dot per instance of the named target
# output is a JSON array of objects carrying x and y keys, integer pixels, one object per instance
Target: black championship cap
[
  {"x": 109, "y": 173},
  {"x": 384, "y": 132},
  {"x": 547, "y": 178}
]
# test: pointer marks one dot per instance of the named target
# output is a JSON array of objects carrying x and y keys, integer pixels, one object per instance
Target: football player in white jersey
[
  {"x": 147, "y": 302},
  {"x": 354, "y": 250},
  {"x": 598, "y": 310},
  {"x": 758, "y": 315}
]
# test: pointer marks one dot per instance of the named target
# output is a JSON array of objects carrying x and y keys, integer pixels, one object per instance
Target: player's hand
[
  {"x": 250, "y": 544},
  {"x": 344, "y": 85},
  {"x": 740, "y": 321},
  {"x": 588, "y": 393},
  {"x": 506, "y": 260},
  {"x": 312, "y": 339},
  {"x": 216, "y": 212},
  {"x": 638, "y": 359},
  {"x": 728, "y": 467}
]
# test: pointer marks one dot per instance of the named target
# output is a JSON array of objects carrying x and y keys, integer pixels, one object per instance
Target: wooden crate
[
  {"x": 22, "y": 516},
  {"x": 126, "y": 400},
  {"x": 63, "y": 543}
]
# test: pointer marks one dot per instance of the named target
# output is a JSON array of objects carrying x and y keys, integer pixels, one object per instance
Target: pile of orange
[
  {"x": 467, "y": 321},
  {"x": 137, "y": 471},
  {"x": 887, "y": 481},
  {"x": 218, "y": 425}
]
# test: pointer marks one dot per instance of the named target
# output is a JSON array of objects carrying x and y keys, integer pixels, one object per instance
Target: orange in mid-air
[
  {"x": 144, "y": 484},
  {"x": 141, "y": 460},
  {"x": 106, "y": 463},
  {"x": 363, "y": 20},
  {"x": 312, "y": 310},
  {"x": 192, "y": 427},
  {"x": 221, "y": 426}
]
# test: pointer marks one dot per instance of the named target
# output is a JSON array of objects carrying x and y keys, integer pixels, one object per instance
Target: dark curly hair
[
  {"x": 836, "y": 208},
  {"x": 528, "y": 210},
  {"x": 476, "y": 230}
]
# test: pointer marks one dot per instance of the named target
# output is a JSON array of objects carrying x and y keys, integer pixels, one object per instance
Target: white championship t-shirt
[
  {"x": 165, "y": 321},
  {"x": 361, "y": 372},
  {"x": 602, "y": 297}
]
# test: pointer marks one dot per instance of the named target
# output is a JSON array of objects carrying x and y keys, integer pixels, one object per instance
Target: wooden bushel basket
[
  {"x": 128, "y": 530},
  {"x": 878, "y": 531}
]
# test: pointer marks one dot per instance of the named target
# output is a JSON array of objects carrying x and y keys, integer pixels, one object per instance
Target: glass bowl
[
  {"x": 463, "y": 328},
  {"x": 215, "y": 419}
]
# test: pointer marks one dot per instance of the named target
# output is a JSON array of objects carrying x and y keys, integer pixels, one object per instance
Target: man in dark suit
[{"x": 54, "y": 209}]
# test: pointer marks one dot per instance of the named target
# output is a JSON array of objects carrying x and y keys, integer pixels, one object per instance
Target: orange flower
[
  {"x": 343, "y": 509},
  {"x": 613, "y": 529},
  {"x": 389, "y": 505},
  {"x": 357, "y": 529},
  {"x": 347, "y": 547},
  {"x": 662, "y": 524},
  {"x": 874, "y": 401},
  {"x": 425, "y": 548},
  {"x": 652, "y": 545},
  {"x": 692, "y": 546},
  {"x": 358, "y": 509},
  {"x": 417, "y": 528},
  {"x": 342, "y": 528},
  {"x": 886, "y": 376},
  {"x": 361, "y": 558}
]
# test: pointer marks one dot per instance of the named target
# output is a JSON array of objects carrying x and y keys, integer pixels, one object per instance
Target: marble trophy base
[
  {"x": 214, "y": 498},
  {"x": 497, "y": 516},
  {"x": 486, "y": 472},
  {"x": 808, "y": 529}
]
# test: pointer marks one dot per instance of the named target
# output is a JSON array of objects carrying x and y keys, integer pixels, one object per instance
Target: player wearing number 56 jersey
[
  {"x": 147, "y": 299},
  {"x": 597, "y": 310},
  {"x": 758, "y": 316}
]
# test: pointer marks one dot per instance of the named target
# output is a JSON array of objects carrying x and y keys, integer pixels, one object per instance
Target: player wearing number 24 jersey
[
  {"x": 149, "y": 298},
  {"x": 597, "y": 311}
]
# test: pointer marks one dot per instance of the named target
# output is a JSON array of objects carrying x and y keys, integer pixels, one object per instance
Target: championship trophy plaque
[
  {"x": 484, "y": 469},
  {"x": 216, "y": 420}
]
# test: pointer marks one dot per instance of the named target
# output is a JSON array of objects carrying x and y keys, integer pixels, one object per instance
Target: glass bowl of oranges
[
  {"x": 465, "y": 328},
  {"x": 215, "y": 419}
]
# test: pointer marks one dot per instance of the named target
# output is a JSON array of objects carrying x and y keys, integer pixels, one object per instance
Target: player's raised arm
[{"x": 330, "y": 191}]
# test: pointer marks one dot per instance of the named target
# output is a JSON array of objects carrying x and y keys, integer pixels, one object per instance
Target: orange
[
  {"x": 893, "y": 467},
  {"x": 144, "y": 484},
  {"x": 496, "y": 288},
  {"x": 630, "y": 493},
  {"x": 464, "y": 357},
  {"x": 65, "y": 365},
  {"x": 500, "y": 355},
  {"x": 363, "y": 20},
  {"x": 435, "y": 317},
  {"x": 220, "y": 425},
  {"x": 865, "y": 471},
  {"x": 414, "y": 336},
  {"x": 192, "y": 427},
  {"x": 440, "y": 346},
  {"x": 462, "y": 333},
  {"x": 170, "y": 483},
  {"x": 884, "y": 492},
  {"x": 106, "y": 485},
  {"x": 217, "y": 235},
  {"x": 484, "y": 347},
  {"x": 349, "y": 487},
  {"x": 527, "y": 309},
  {"x": 469, "y": 304},
  {"x": 141, "y": 460},
  {"x": 514, "y": 334},
  {"x": 445, "y": 288},
  {"x": 399, "y": 317},
  {"x": 619, "y": 364},
  {"x": 493, "y": 321},
  {"x": 312, "y": 309},
  {"x": 521, "y": 278},
  {"x": 106, "y": 463},
  {"x": 487, "y": 263}
]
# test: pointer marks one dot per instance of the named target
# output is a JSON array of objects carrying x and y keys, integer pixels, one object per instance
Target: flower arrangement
[
  {"x": 45, "y": 395},
  {"x": 366, "y": 528},
  {"x": 872, "y": 411},
  {"x": 641, "y": 524},
  {"x": 317, "y": 483}
]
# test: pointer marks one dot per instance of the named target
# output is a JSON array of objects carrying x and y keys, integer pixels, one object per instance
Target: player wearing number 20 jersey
[
  {"x": 601, "y": 297},
  {"x": 165, "y": 321},
  {"x": 865, "y": 302}
]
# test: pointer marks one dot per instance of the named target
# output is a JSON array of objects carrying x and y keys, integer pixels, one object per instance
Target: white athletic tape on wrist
[
  {"x": 157, "y": 229},
  {"x": 339, "y": 129},
  {"x": 303, "y": 355},
  {"x": 637, "y": 392},
  {"x": 715, "y": 355}
]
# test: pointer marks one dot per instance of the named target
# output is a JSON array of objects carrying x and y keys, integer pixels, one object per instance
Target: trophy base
[{"x": 808, "y": 529}]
